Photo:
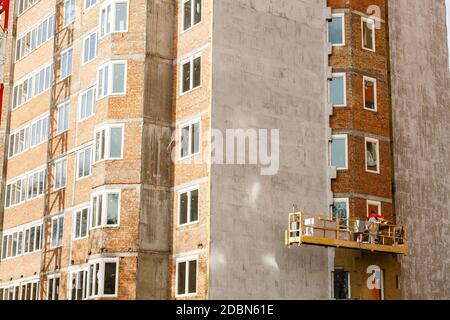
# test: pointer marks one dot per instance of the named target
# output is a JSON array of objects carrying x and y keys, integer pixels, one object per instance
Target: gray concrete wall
[
  {"x": 155, "y": 213},
  {"x": 269, "y": 71},
  {"x": 421, "y": 127}
]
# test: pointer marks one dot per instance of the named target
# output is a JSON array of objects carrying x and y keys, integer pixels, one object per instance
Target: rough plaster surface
[
  {"x": 269, "y": 71},
  {"x": 421, "y": 126}
]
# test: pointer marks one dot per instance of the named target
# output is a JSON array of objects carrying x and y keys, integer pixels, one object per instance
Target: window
[
  {"x": 89, "y": 3},
  {"x": 90, "y": 47},
  {"x": 11, "y": 292},
  {"x": 24, "y": 5},
  {"x": 368, "y": 34},
  {"x": 81, "y": 223},
  {"x": 191, "y": 73},
  {"x": 372, "y": 155},
  {"x": 57, "y": 231},
  {"x": 190, "y": 139},
  {"x": 16, "y": 192},
  {"x": 12, "y": 244},
  {"x": 340, "y": 211},
  {"x": 111, "y": 79},
  {"x": 19, "y": 141},
  {"x": 188, "y": 206},
  {"x": 60, "y": 174},
  {"x": 341, "y": 284},
  {"x": 53, "y": 287},
  {"x": 192, "y": 13},
  {"x": 338, "y": 90},
  {"x": 373, "y": 207},
  {"x": 66, "y": 63},
  {"x": 336, "y": 30},
  {"x": 377, "y": 283},
  {"x": 33, "y": 238},
  {"x": 103, "y": 278},
  {"x": 87, "y": 104},
  {"x": 36, "y": 184},
  {"x": 105, "y": 209},
  {"x": 69, "y": 12},
  {"x": 339, "y": 152},
  {"x": 113, "y": 17},
  {"x": 34, "y": 38},
  {"x": 38, "y": 82},
  {"x": 370, "y": 93},
  {"x": 39, "y": 131},
  {"x": 63, "y": 117},
  {"x": 108, "y": 143},
  {"x": 84, "y": 163},
  {"x": 186, "y": 276},
  {"x": 27, "y": 290},
  {"x": 78, "y": 285}
]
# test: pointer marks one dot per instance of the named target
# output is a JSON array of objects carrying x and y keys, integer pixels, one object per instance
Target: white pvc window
[
  {"x": 336, "y": 30},
  {"x": 53, "y": 283},
  {"x": 19, "y": 141},
  {"x": 103, "y": 278},
  {"x": 23, "y": 5},
  {"x": 87, "y": 104},
  {"x": 36, "y": 184},
  {"x": 111, "y": 79},
  {"x": 12, "y": 244},
  {"x": 105, "y": 209},
  {"x": 69, "y": 12},
  {"x": 60, "y": 174},
  {"x": 190, "y": 139},
  {"x": 337, "y": 87},
  {"x": 81, "y": 223},
  {"x": 108, "y": 143},
  {"x": 35, "y": 37},
  {"x": 191, "y": 73},
  {"x": 372, "y": 155},
  {"x": 192, "y": 13},
  {"x": 21, "y": 241},
  {"x": 186, "y": 276},
  {"x": 88, "y": 4},
  {"x": 188, "y": 206},
  {"x": 113, "y": 17},
  {"x": 63, "y": 117},
  {"x": 339, "y": 152},
  {"x": 57, "y": 231},
  {"x": 39, "y": 131},
  {"x": 78, "y": 284},
  {"x": 368, "y": 34},
  {"x": 33, "y": 238},
  {"x": 66, "y": 63},
  {"x": 340, "y": 211},
  {"x": 84, "y": 163},
  {"x": 16, "y": 192},
  {"x": 90, "y": 47},
  {"x": 370, "y": 93}
]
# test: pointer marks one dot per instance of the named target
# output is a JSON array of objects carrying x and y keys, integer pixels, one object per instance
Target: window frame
[
  {"x": 74, "y": 222},
  {"x": 191, "y": 60},
  {"x": 186, "y": 259},
  {"x": 368, "y": 21},
  {"x": 183, "y": 125},
  {"x": 188, "y": 191},
  {"x": 88, "y": 36},
  {"x": 107, "y": 147},
  {"x": 92, "y": 88},
  {"x": 372, "y": 140},
  {"x": 56, "y": 289},
  {"x": 348, "y": 283},
  {"x": 86, "y": 9},
  {"x": 104, "y": 194},
  {"x": 375, "y": 93},
  {"x": 66, "y": 105},
  {"x": 72, "y": 16},
  {"x": 113, "y": 4},
  {"x": 63, "y": 53},
  {"x": 192, "y": 16},
  {"x": 339, "y": 137},
  {"x": 344, "y": 77},
  {"x": 84, "y": 291},
  {"x": 77, "y": 160},
  {"x": 373, "y": 203},
  {"x": 347, "y": 204},
  {"x": 342, "y": 16},
  {"x": 101, "y": 281},
  {"x": 57, "y": 217},
  {"x": 110, "y": 80},
  {"x": 62, "y": 186}
]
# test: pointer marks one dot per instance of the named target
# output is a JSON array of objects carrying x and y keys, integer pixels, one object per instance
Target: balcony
[{"x": 308, "y": 229}]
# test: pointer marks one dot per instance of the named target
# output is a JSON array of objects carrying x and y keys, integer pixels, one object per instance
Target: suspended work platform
[{"x": 309, "y": 229}]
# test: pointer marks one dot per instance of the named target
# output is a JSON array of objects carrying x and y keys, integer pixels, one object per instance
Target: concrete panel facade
[
  {"x": 269, "y": 72},
  {"x": 421, "y": 128}
]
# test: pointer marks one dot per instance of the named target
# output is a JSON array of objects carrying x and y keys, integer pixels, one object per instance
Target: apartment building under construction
[{"x": 115, "y": 115}]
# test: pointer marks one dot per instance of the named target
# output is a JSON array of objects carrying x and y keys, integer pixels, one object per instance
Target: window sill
[{"x": 190, "y": 224}]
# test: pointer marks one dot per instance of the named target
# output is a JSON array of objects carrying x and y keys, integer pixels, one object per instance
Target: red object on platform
[{"x": 4, "y": 10}]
